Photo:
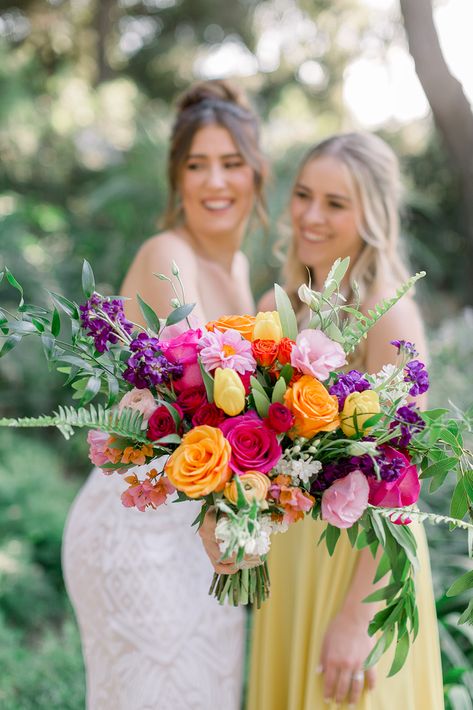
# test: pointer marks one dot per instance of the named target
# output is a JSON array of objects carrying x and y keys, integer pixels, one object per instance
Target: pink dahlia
[{"x": 227, "y": 349}]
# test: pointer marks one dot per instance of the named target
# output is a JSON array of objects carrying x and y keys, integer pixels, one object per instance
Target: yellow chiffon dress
[{"x": 307, "y": 589}]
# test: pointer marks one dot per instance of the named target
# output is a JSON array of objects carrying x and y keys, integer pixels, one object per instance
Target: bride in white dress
[{"x": 152, "y": 637}]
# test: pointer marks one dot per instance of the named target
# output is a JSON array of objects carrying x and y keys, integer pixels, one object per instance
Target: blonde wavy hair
[{"x": 374, "y": 171}]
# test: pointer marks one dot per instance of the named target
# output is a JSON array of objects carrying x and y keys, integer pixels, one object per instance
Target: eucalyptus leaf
[
  {"x": 10, "y": 342},
  {"x": 65, "y": 305},
  {"x": 331, "y": 538},
  {"x": 179, "y": 313},
  {"x": 459, "y": 501},
  {"x": 92, "y": 388},
  {"x": 208, "y": 382},
  {"x": 402, "y": 648},
  {"x": 439, "y": 468},
  {"x": 13, "y": 282},
  {"x": 55, "y": 323}
]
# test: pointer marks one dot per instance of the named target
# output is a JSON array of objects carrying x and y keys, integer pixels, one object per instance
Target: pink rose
[
  {"x": 161, "y": 423},
  {"x": 279, "y": 418},
  {"x": 97, "y": 441},
  {"x": 183, "y": 351},
  {"x": 208, "y": 414},
  {"x": 191, "y": 399},
  {"x": 172, "y": 331},
  {"x": 346, "y": 499},
  {"x": 254, "y": 446},
  {"x": 402, "y": 491},
  {"x": 140, "y": 400},
  {"x": 317, "y": 355}
]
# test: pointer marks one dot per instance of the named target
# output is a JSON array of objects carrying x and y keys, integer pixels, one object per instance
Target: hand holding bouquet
[{"x": 263, "y": 423}]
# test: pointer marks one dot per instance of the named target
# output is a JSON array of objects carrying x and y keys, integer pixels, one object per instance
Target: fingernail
[{"x": 319, "y": 669}]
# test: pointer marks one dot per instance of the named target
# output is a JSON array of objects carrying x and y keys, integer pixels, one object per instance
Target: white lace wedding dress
[{"x": 152, "y": 637}]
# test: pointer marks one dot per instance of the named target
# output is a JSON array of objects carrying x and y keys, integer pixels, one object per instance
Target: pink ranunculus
[
  {"x": 183, "y": 350},
  {"x": 139, "y": 400},
  {"x": 400, "y": 492},
  {"x": 279, "y": 418},
  {"x": 161, "y": 422},
  {"x": 254, "y": 446},
  {"x": 316, "y": 354},
  {"x": 97, "y": 441},
  {"x": 146, "y": 494},
  {"x": 346, "y": 499}
]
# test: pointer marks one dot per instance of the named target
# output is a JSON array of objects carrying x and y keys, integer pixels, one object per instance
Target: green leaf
[
  {"x": 468, "y": 482},
  {"x": 257, "y": 385},
  {"x": 352, "y": 533},
  {"x": 208, "y": 382},
  {"x": 55, "y": 323},
  {"x": 151, "y": 319},
  {"x": 23, "y": 327},
  {"x": 65, "y": 305},
  {"x": 287, "y": 372},
  {"x": 372, "y": 421},
  {"x": 461, "y": 584},
  {"x": 91, "y": 389},
  {"x": 13, "y": 282},
  {"x": 335, "y": 276},
  {"x": 88, "y": 281},
  {"x": 378, "y": 527},
  {"x": 179, "y": 313},
  {"x": 384, "y": 593},
  {"x": 383, "y": 567},
  {"x": 467, "y": 615},
  {"x": 406, "y": 539},
  {"x": 10, "y": 343},
  {"x": 430, "y": 415},
  {"x": 169, "y": 439},
  {"x": 279, "y": 390},
  {"x": 286, "y": 313},
  {"x": 439, "y": 467},
  {"x": 331, "y": 538},
  {"x": 380, "y": 647},
  {"x": 459, "y": 502},
  {"x": 261, "y": 402},
  {"x": 400, "y": 656}
]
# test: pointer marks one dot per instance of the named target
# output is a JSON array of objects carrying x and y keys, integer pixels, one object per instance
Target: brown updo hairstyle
[{"x": 221, "y": 103}]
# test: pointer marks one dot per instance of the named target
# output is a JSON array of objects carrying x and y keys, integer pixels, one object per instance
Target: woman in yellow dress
[{"x": 310, "y": 639}]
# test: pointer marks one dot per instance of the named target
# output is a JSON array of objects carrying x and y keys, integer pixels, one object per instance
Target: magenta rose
[
  {"x": 183, "y": 351},
  {"x": 208, "y": 414},
  {"x": 316, "y": 354},
  {"x": 346, "y": 499},
  {"x": 403, "y": 490},
  {"x": 190, "y": 400},
  {"x": 161, "y": 422},
  {"x": 279, "y": 418},
  {"x": 254, "y": 446}
]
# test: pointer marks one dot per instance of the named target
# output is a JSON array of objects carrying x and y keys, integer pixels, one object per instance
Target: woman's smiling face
[
  {"x": 217, "y": 185},
  {"x": 325, "y": 214}
]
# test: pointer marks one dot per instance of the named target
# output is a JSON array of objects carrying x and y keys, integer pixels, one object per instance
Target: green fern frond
[
  {"x": 357, "y": 331},
  {"x": 128, "y": 423}
]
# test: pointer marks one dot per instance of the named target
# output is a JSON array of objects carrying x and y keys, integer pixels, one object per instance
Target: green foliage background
[{"x": 86, "y": 108}]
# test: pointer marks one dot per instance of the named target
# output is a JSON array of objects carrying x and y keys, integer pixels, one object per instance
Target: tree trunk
[{"x": 451, "y": 110}]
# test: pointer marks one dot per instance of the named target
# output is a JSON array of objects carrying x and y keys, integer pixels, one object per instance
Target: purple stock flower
[
  {"x": 410, "y": 423},
  {"x": 405, "y": 346},
  {"x": 147, "y": 366},
  {"x": 96, "y": 325},
  {"x": 416, "y": 373},
  {"x": 347, "y": 383},
  {"x": 390, "y": 464}
]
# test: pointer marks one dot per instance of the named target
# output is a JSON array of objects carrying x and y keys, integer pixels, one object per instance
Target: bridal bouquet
[{"x": 262, "y": 422}]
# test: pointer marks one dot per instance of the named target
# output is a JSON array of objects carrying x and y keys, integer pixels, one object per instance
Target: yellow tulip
[
  {"x": 267, "y": 326},
  {"x": 362, "y": 405},
  {"x": 229, "y": 392}
]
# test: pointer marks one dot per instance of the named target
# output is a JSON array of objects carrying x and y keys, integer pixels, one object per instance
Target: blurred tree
[{"x": 451, "y": 109}]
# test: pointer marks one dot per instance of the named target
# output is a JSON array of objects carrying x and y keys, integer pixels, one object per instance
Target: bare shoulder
[
  {"x": 267, "y": 301},
  {"x": 165, "y": 247}
]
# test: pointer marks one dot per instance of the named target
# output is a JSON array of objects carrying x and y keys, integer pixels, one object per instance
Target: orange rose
[
  {"x": 200, "y": 464},
  {"x": 284, "y": 352},
  {"x": 313, "y": 407},
  {"x": 243, "y": 324},
  {"x": 264, "y": 351}
]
